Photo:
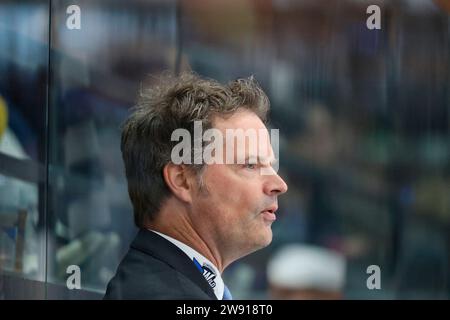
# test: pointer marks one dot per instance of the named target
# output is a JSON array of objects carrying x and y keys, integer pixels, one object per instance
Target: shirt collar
[{"x": 209, "y": 270}]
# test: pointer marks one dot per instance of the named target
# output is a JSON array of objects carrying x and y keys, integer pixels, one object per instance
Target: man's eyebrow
[{"x": 259, "y": 159}]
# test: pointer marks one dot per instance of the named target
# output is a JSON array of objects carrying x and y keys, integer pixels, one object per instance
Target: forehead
[{"x": 257, "y": 146}]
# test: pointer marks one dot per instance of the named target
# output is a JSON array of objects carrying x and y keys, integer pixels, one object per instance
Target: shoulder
[{"x": 142, "y": 276}]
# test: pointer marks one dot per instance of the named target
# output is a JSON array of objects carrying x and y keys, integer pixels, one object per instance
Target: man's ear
[{"x": 177, "y": 178}]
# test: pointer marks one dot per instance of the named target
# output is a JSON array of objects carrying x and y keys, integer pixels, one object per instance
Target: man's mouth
[{"x": 269, "y": 213}]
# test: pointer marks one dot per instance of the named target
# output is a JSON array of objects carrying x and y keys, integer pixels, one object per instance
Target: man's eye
[{"x": 250, "y": 166}]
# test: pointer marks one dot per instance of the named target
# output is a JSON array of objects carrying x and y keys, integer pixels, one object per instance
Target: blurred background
[{"x": 364, "y": 119}]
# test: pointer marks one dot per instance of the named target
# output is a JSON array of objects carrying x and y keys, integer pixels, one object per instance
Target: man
[{"x": 195, "y": 218}]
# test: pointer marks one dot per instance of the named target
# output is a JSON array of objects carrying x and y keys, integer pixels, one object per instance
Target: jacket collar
[{"x": 153, "y": 244}]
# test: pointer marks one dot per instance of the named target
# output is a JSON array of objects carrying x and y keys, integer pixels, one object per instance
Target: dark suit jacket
[{"x": 154, "y": 268}]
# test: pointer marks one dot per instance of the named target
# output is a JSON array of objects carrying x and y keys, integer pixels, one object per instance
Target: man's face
[{"x": 236, "y": 209}]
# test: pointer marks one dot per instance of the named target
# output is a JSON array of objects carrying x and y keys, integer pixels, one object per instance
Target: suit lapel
[{"x": 162, "y": 249}]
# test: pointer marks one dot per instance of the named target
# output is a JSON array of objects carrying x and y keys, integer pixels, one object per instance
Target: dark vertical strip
[
  {"x": 47, "y": 142},
  {"x": 179, "y": 37},
  {"x": 447, "y": 169}
]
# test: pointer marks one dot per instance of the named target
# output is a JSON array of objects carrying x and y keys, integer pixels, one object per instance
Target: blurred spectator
[{"x": 305, "y": 272}]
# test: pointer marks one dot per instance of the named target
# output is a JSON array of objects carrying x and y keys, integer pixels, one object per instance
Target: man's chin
[
  {"x": 266, "y": 238},
  {"x": 260, "y": 241}
]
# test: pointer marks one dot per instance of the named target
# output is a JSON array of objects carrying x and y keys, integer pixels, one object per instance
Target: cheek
[
  {"x": 231, "y": 192},
  {"x": 220, "y": 182},
  {"x": 239, "y": 196}
]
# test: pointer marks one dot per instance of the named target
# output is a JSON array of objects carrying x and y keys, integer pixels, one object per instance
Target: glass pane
[
  {"x": 96, "y": 73},
  {"x": 363, "y": 116},
  {"x": 23, "y": 80},
  {"x": 364, "y": 123}
]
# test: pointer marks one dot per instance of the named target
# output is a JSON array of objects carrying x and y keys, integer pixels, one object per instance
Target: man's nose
[{"x": 276, "y": 186}]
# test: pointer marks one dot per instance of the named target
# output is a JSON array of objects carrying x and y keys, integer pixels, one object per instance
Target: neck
[{"x": 175, "y": 222}]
